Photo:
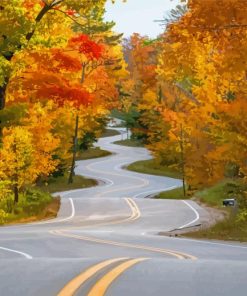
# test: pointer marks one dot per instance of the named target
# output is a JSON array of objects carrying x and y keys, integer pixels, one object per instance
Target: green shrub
[
  {"x": 35, "y": 195},
  {"x": 242, "y": 216},
  {"x": 34, "y": 201}
]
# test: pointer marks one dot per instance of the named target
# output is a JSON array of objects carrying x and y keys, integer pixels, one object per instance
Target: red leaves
[
  {"x": 65, "y": 61},
  {"x": 83, "y": 44},
  {"x": 63, "y": 94},
  {"x": 29, "y": 4},
  {"x": 50, "y": 77},
  {"x": 71, "y": 12},
  {"x": 55, "y": 74},
  {"x": 56, "y": 87}
]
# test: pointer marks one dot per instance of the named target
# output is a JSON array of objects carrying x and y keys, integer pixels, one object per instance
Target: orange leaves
[
  {"x": 170, "y": 116},
  {"x": 71, "y": 12},
  {"x": 65, "y": 93},
  {"x": 83, "y": 44},
  {"x": 52, "y": 75},
  {"x": 64, "y": 61},
  {"x": 204, "y": 55},
  {"x": 51, "y": 86},
  {"x": 55, "y": 74},
  {"x": 142, "y": 60},
  {"x": 29, "y": 4}
]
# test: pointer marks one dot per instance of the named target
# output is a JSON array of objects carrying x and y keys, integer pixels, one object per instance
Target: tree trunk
[
  {"x": 16, "y": 194},
  {"x": 2, "y": 105},
  {"x": 2, "y": 96},
  {"x": 83, "y": 74},
  {"x": 75, "y": 140},
  {"x": 39, "y": 17},
  {"x": 182, "y": 159}
]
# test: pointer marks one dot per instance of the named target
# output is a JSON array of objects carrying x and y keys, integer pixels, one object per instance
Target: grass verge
[
  {"x": 152, "y": 168},
  {"x": 110, "y": 133},
  {"x": 129, "y": 143},
  {"x": 229, "y": 229},
  {"x": 34, "y": 205},
  {"x": 172, "y": 194},
  {"x": 232, "y": 228},
  {"x": 213, "y": 196},
  {"x": 92, "y": 153},
  {"x": 61, "y": 184}
]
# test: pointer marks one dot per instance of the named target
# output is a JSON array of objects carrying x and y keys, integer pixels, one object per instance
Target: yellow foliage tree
[{"x": 16, "y": 161}]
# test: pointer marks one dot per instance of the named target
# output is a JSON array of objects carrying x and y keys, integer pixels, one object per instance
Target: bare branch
[
  {"x": 65, "y": 13},
  {"x": 187, "y": 93}
]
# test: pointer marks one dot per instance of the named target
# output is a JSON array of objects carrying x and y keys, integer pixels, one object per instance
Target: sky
[{"x": 137, "y": 16}]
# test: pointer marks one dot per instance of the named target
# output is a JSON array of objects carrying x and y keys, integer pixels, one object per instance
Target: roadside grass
[
  {"x": 229, "y": 229},
  {"x": 110, "y": 133},
  {"x": 92, "y": 153},
  {"x": 213, "y": 196},
  {"x": 151, "y": 167},
  {"x": 129, "y": 143},
  {"x": 176, "y": 193},
  {"x": 61, "y": 184},
  {"x": 33, "y": 205}
]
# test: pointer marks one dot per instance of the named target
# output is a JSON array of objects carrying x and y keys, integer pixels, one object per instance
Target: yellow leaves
[
  {"x": 16, "y": 156},
  {"x": 40, "y": 122},
  {"x": 3, "y": 215},
  {"x": 28, "y": 150},
  {"x": 4, "y": 190},
  {"x": 126, "y": 104},
  {"x": 149, "y": 101},
  {"x": 4, "y": 69}
]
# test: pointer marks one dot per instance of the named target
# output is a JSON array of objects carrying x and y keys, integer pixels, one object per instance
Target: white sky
[{"x": 137, "y": 16}]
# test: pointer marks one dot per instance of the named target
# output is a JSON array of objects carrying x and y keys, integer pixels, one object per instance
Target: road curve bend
[{"x": 105, "y": 241}]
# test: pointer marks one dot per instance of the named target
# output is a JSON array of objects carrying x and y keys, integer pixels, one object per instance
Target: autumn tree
[
  {"x": 57, "y": 55},
  {"x": 30, "y": 19},
  {"x": 16, "y": 162},
  {"x": 190, "y": 89}
]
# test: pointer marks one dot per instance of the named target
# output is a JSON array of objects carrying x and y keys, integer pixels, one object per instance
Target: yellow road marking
[
  {"x": 135, "y": 214},
  {"x": 104, "y": 283},
  {"x": 75, "y": 283},
  {"x": 176, "y": 254}
]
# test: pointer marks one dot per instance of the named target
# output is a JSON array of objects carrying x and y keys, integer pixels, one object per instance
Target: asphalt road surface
[{"x": 105, "y": 241}]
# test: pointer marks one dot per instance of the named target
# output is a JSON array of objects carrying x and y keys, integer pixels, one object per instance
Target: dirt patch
[
  {"x": 212, "y": 216},
  {"x": 215, "y": 214}
]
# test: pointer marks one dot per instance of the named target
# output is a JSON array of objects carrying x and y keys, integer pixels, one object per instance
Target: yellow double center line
[
  {"x": 178, "y": 255},
  {"x": 101, "y": 286},
  {"x": 135, "y": 214}
]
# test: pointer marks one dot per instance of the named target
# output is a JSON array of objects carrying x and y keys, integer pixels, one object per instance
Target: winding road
[{"x": 105, "y": 241}]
